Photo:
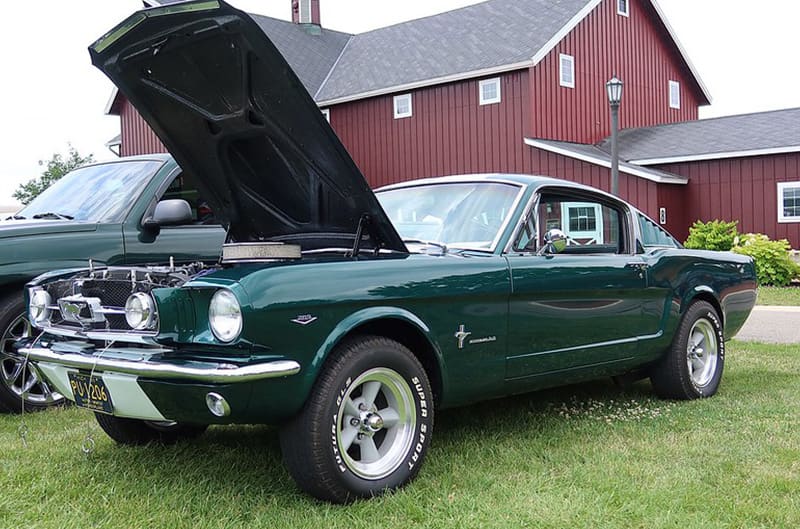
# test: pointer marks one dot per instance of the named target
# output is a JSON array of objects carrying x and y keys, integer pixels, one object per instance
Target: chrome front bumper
[{"x": 207, "y": 372}]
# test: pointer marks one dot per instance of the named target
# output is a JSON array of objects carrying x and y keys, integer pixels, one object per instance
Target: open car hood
[{"x": 229, "y": 108}]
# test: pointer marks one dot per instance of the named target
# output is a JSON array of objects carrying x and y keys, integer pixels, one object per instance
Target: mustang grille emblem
[
  {"x": 79, "y": 309},
  {"x": 72, "y": 309}
]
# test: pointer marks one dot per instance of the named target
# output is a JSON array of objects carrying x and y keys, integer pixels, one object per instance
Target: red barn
[{"x": 519, "y": 86}]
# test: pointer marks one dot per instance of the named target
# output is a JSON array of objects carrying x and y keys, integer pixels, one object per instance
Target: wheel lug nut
[
  {"x": 362, "y": 407},
  {"x": 354, "y": 422},
  {"x": 360, "y": 436}
]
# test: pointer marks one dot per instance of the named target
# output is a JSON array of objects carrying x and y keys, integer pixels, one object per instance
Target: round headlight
[
  {"x": 140, "y": 311},
  {"x": 38, "y": 309},
  {"x": 225, "y": 316}
]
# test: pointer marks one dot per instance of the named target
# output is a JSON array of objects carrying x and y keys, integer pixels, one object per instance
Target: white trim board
[
  {"x": 717, "y": 155},
  {"x": 624, "y": 167},
  {"x": 428, "y": 82},
  {"x": 110, "y": 102}
]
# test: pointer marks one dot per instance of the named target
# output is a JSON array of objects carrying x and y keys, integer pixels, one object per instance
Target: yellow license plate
[{"x": 90, "y": 392}]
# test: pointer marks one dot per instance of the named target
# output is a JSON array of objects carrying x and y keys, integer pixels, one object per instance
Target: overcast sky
[{"x": 746, "y": 53}]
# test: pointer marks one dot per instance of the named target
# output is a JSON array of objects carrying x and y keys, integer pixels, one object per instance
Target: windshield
[
  {"x": 97, "y": 193},
  {"x": 463, "y": 215}
]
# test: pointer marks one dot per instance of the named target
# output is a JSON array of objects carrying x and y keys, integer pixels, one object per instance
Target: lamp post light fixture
[{"x": 614, "y": 91}]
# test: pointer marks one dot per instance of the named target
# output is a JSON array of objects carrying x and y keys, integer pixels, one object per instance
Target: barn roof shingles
[
  {"x": 469, "y": 39},
  {"x": 763, "y": 131}
]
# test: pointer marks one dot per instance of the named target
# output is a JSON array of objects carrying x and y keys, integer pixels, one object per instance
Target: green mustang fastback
[{"x": 348, "y": 317}]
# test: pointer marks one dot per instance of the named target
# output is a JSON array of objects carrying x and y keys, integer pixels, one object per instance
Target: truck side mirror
[{"x": 172, "y": 212}]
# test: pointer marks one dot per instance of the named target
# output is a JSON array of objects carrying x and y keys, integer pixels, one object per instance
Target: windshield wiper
[
  {"x": 15, "y": 217},
  {"x": 50, "y": 215},
  {"x": 442, "y": 246}
]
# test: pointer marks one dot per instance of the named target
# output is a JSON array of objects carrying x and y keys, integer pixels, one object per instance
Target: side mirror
[
  {"x": 555, "y": 241},
  {"x": 173, "y": 212}
]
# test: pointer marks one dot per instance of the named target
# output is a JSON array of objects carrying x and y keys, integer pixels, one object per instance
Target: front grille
[
  {"x": 112, "y": 294},
  {"x": 94, "y": 300}
]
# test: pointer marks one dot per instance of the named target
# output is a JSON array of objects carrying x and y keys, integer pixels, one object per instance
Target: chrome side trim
[{"x": 214, "y": 373}]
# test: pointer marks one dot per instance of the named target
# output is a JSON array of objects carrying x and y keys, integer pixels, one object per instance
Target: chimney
[{"x": 306, "y": 13}]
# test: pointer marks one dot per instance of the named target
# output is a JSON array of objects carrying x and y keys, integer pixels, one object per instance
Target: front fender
[{"x": 371, "y": 314}]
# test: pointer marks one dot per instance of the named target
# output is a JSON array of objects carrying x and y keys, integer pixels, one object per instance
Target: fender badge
[
  {"x": 304, "y": 319},
  {"x": 461, "y": 335}
]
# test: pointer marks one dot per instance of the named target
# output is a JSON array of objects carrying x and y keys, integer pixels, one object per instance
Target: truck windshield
[{"x": 97, "y": 193}]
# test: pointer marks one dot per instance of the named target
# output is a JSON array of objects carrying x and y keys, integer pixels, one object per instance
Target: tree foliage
[{"x": 54, "y": 169}]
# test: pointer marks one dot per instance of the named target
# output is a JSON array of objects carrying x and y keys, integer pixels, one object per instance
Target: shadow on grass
[{"x": 245, "y": 461}]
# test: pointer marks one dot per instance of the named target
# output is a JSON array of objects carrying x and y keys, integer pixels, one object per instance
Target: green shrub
[
  {"x": 713, "y": 235},
  {"x": 773, "y": 264}
]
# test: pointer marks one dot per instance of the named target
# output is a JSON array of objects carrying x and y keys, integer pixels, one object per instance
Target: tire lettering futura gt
[{"x": 336, "y": 454}]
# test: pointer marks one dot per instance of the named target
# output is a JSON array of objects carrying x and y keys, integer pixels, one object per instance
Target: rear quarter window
[{"x": 653, "y": 236}]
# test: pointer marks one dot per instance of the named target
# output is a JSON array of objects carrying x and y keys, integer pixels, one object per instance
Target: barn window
[
  {"x": 489, "y": 91},
  {"x": 674, "y": 94},
  {"x": 567, "y": 70},
  {"x": 327, "y": 113},
  {"x": 789, "y": 202},
  {"x": 622, "y": 8},
  {"x": 402, "y": 106}
]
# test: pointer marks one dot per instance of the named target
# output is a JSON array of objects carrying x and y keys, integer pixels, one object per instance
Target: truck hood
[
  {"x": 26, "y": 227},
  {"x": 229, "y": 108}
]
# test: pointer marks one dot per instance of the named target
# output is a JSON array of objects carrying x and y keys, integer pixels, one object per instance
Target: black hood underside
[{"x": 231, "y": 111}]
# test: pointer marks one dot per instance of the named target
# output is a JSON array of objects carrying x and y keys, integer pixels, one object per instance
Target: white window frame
[
  {"x": 490, "y": 100},
  {"x": 624, "y": 12},
  {"x": 674, "y": 103},
  {"x": 781, "y": 187},
  {"x": 397, "y": 100},
  {"x": 571, "y": 60},
  {"x": 595, "y": 236}
]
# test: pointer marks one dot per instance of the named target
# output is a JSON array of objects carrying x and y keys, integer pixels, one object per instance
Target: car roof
[{"x": 534, "y": 181}]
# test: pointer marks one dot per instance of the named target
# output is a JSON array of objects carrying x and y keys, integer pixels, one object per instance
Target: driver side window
[{"x": 591, "y": 226}]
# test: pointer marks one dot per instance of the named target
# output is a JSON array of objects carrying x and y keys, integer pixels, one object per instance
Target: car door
[
  {"x": 581, "y": 308},
  {"x": 199, "y": 239}
]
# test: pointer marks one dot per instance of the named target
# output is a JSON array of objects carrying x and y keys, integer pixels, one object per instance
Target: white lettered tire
[
  {"x": 367, "y": 425},
  {"x": 692, "y": 367}
]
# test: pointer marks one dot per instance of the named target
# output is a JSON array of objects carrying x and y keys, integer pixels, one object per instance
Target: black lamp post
[{"x": 614, "y": 91}]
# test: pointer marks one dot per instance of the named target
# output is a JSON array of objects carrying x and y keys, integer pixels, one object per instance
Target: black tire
[
  {"x": 692, "y": 367},
  {"x": 15, "y": 375},
  {"x": 315, "y": 444},
  {"x": 138, "y": 432}
]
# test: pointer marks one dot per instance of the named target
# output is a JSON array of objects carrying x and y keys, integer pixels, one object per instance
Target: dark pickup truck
[{"x": 138, "y": 210}]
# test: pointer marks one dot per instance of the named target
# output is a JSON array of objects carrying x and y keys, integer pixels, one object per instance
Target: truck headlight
[
  {"x": 140, "y": 311},
  {"x": 39, "y": 306},
  {"x": 225, "y": 316}
]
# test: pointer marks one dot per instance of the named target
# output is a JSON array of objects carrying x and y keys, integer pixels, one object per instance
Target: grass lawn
[
  {"x": 584, "y": 456},
  {"x": 779, "y": 295}
]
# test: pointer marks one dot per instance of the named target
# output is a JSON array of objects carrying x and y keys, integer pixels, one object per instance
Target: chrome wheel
[
  {"x": 376, "y": 423},
  {"x": 24, "y": 382},
  {"x": 702, "y": 351}
]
